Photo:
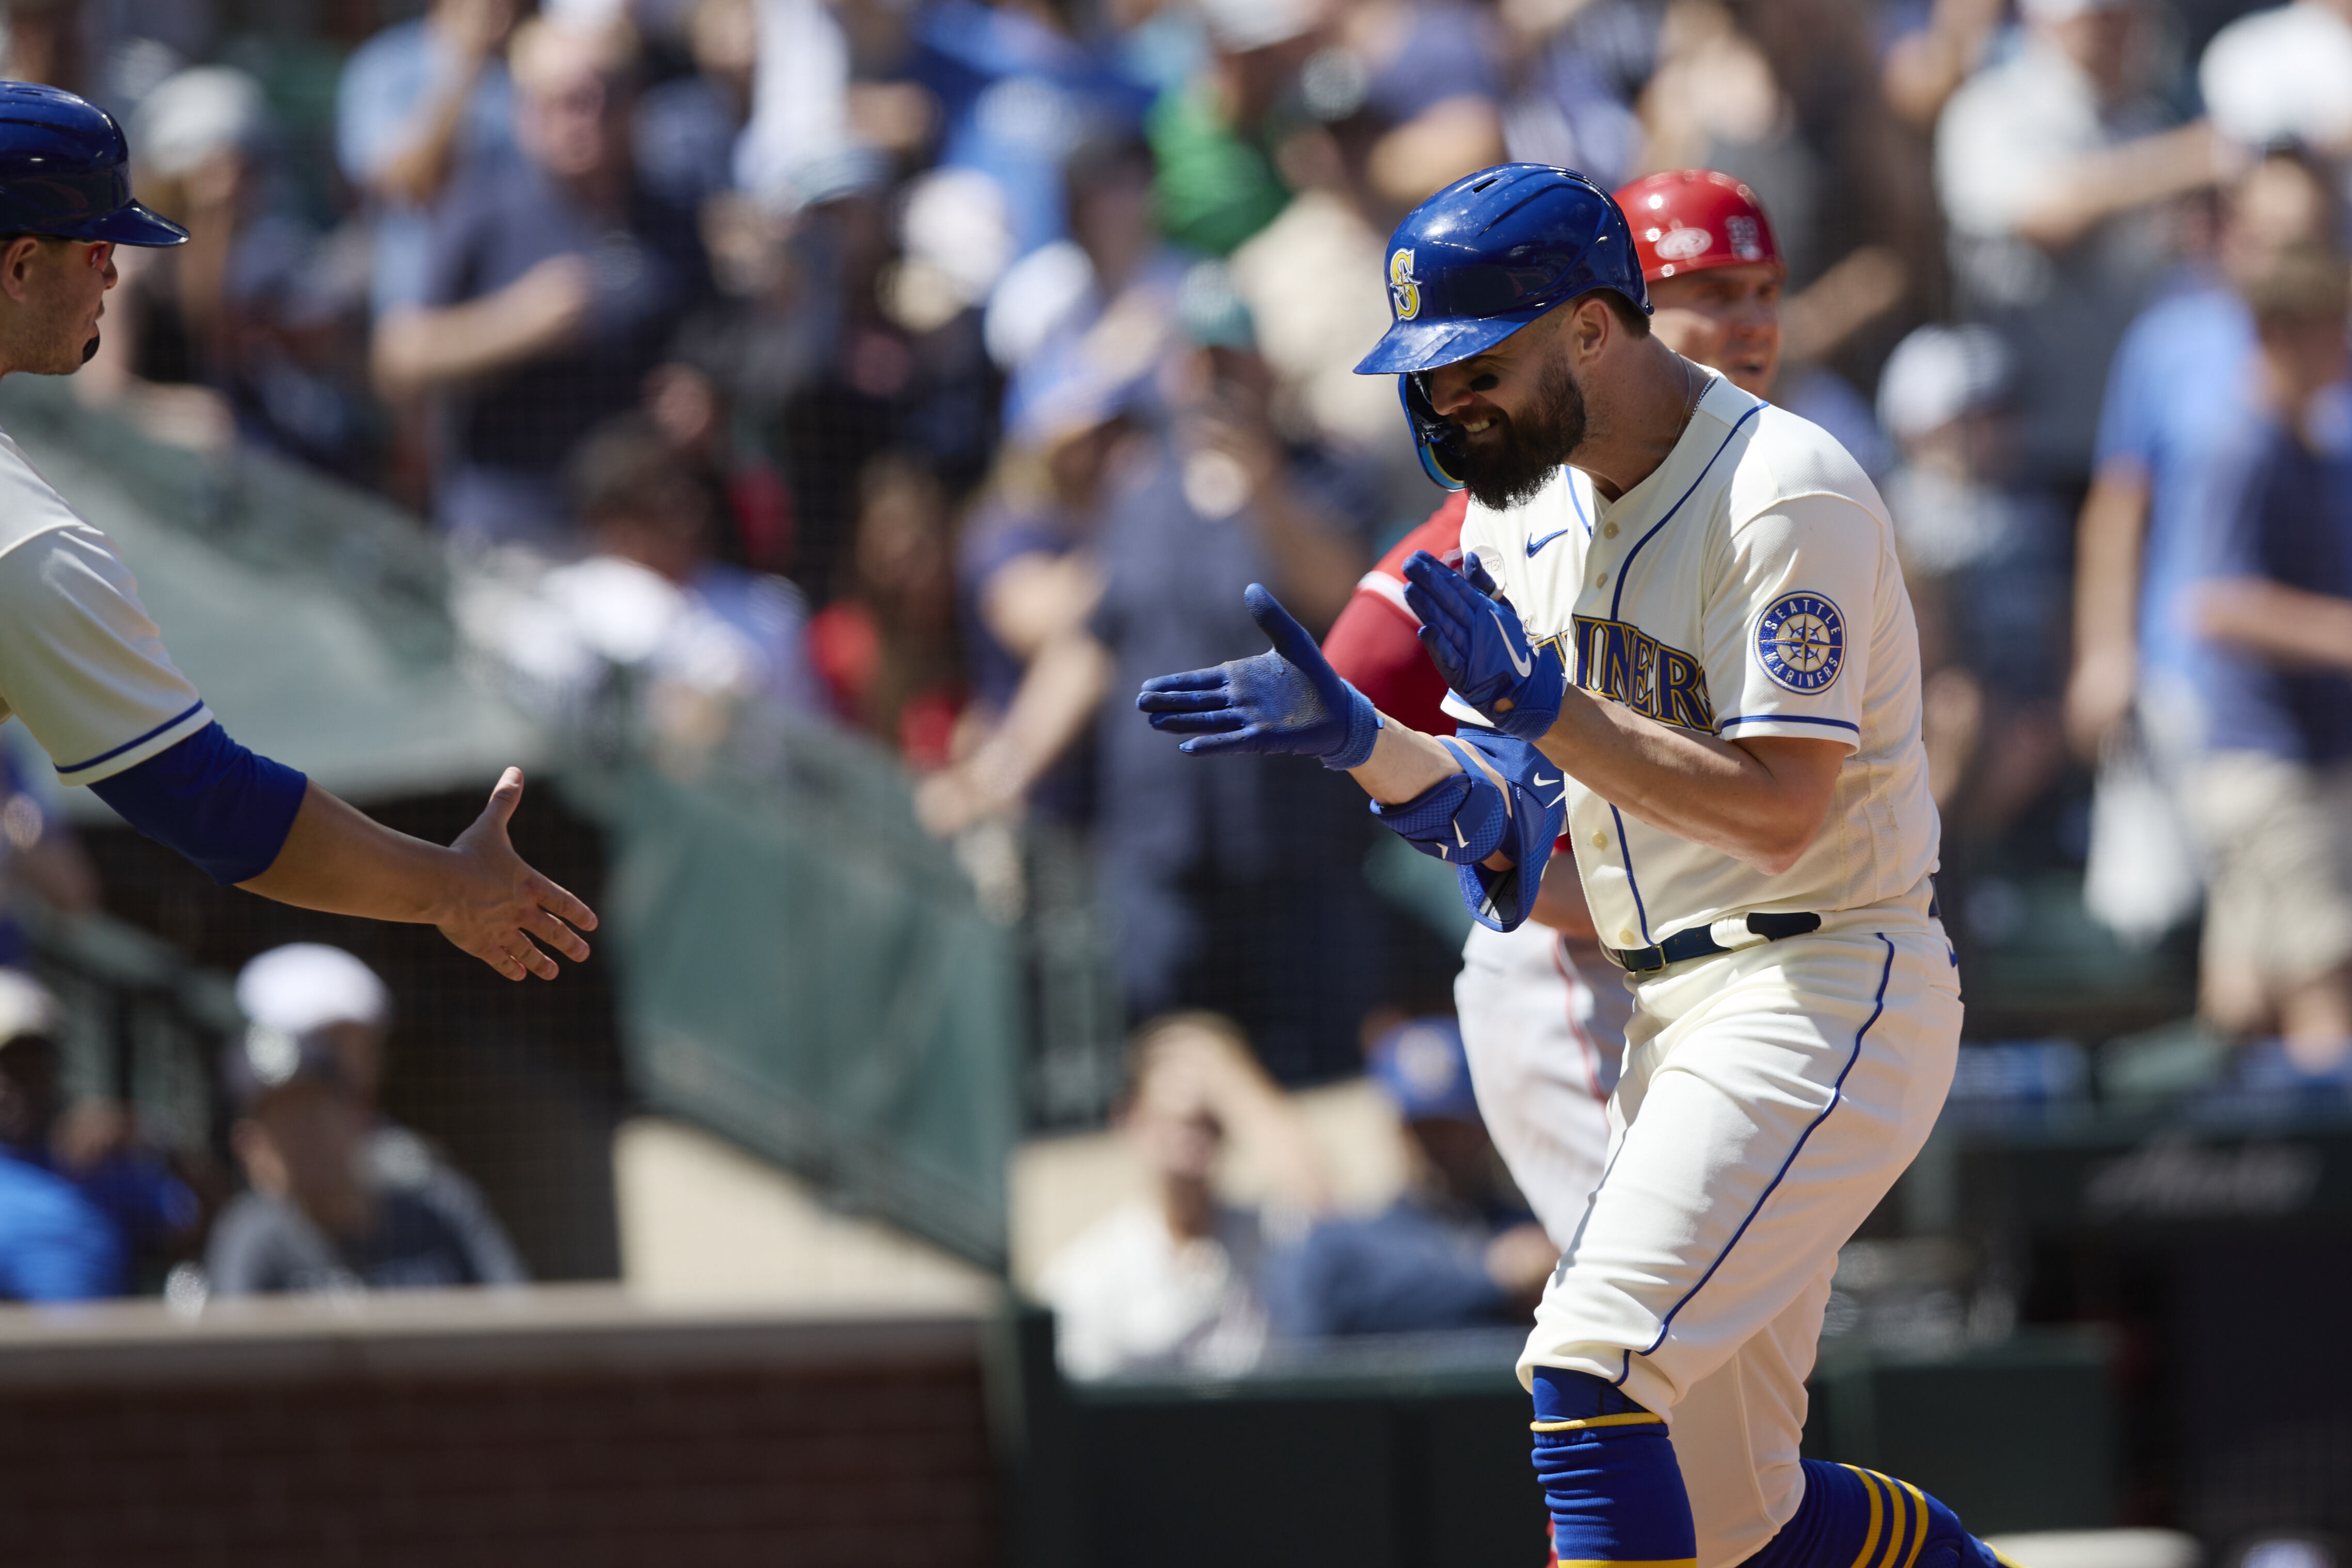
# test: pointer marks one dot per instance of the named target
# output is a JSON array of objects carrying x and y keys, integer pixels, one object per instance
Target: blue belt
[{"x": 1700, "y": 942}]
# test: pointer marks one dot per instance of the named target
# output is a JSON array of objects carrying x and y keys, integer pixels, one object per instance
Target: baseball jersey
[
  {"x": 1747, "y": 587},
  {"x": 80, "y": 663}
]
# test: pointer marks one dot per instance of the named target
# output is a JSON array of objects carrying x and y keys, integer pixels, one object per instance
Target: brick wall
[{"x": 573, "y": 1443}]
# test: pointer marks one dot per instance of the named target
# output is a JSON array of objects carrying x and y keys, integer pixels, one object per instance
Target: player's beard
[
  {"x": 1505, "y": 471},
  {"x": 89, "y": 350}
]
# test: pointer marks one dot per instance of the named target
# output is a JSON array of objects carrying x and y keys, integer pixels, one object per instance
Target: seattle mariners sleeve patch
[{"x": 1801, "y": 642}]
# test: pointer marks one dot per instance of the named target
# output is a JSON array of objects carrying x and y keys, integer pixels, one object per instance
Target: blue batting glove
[
  {"x": 1289, "y": 700},
  {"x": 1475, "y": 638}
]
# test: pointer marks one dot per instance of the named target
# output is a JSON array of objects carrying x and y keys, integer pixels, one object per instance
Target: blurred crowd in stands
[{"x": 938, "y": 370}]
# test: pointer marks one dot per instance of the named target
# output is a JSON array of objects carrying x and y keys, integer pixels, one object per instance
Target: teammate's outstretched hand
[
  {"x": 1475, "y": 638},
  {"x": 494, "y": 904},
  {"x": 1288, "y": 700}
]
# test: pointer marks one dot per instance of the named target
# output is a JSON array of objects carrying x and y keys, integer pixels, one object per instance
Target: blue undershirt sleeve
[{"x": 224, "y": 808}]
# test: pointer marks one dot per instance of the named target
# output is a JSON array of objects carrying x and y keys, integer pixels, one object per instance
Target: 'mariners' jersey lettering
[{"x": 1626, "y": 663}]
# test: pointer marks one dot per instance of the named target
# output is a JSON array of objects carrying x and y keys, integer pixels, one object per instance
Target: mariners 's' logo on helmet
[
  {"x": 1801, "y": 641},
  {"x": 1404, "y": 288}
]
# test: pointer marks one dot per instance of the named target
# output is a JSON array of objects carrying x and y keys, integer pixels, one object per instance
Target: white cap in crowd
[
  {"x": 1938, "y": 373},
  {"x": 2049, "y": 12},
  {"x": 25, "y": 1006},
  {"x": 1239, "y": 26},
  {"x": 306, "y": 985},
  {"x": 200, "y": 112}
]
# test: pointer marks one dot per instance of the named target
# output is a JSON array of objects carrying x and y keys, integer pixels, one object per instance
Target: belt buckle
[{"x": 1625, "y": 957}]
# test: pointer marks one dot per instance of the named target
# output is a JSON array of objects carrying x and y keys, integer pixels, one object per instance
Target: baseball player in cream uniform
[
  {"x": 1542, "y": 1010},
  {"x": 1687, "y": 650}
]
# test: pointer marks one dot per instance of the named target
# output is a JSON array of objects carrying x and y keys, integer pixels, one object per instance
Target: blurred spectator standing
[
  {"x": 686, "y": 127},
  {"x": 2179, "y": 379},
  {"x": 2054, "y": 167},
  {"x": 1114, "y": 265},
  {"x": 1237, "y": 889},
  {"x": 2271, "y": 796},
  {"x": 1028, "y": 583},
  {"x": 85, "y": 1206},
  {"x": 886, "y": 651},
  {"x": 1986, "y": 561},
  {"x": 1458, "y": 1250},
  {"x": 2182, "y": 379},
  {"x": 1173, "y": 1282},
  {"x": 1211, "y": 135},
  {"x": 39, "y": 853},
  {"x": 1315, "y": 279},
  {"x": 1717, "y": 103},
  {"x": 341, "y": 1198},
  {"x": 418, "y": 102},
  {"x": 815, "y": 134},
  {"x": 1019, "y": 88},
  {"x": 703, "y": 641},
  {"x": 166, "y": 361},
  {"x": 553, "y": 287}
]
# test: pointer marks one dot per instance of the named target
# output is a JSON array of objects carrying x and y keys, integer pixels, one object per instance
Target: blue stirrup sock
[
  {"x": 1853, "y": 1518},
  {"x": 1609, "y": 1476}
]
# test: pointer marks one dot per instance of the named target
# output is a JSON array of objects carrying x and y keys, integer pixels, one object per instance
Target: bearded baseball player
[
  {"x": 1681, "y": 635},
  {"x": 1542, "y": 1010},
  {"x": 84, "y": 667}
]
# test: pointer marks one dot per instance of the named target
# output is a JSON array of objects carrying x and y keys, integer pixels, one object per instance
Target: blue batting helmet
[
  {"x": 1481, "y": 259},
  {"x": 64, "y": 170}
]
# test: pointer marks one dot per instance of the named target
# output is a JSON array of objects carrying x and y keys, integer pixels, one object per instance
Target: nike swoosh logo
[
  {"x": 1534, "y": 545},
  {"x": 1524, "y": 665},
  {"x": 1540, "y": 779}
]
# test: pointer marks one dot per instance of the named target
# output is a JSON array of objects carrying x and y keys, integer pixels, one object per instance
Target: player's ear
[
  {"x": 16, "y": 260},
  {"x": 1591, "y": 326}
]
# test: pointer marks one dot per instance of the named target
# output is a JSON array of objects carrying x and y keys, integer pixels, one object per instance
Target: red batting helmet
[{"x": 1690, "y": 220}]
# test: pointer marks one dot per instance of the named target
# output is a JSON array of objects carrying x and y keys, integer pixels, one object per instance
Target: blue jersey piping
[
  {"x": 182, "y": 717},
  {"x": 1626, "y": 853},
  {"x": 1722, "y": 725},
  {"x": 1618, "y": 598}
]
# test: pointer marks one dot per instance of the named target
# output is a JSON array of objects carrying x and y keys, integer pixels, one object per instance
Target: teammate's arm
[
  {"x": 86, "y": 669},
  {"x": 477, "y": 892},
  {"x": 2291, "y": 627}
]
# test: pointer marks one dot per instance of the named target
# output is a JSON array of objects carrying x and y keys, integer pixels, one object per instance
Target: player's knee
[
  {"x": 1609, "y": 1475},
  {"x": 1853, "y": 1518}
]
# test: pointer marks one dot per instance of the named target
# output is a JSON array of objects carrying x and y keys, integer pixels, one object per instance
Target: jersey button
[
  {"x": 1607, "y": 530},
  {"x": 1624, "y": 938},
  {"x": 1601, "y": 581},
  {"x": 1600, "y": 841}
]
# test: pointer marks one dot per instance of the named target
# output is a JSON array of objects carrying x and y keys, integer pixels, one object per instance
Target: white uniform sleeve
[
  {"x": 1789, "y": 620},
  {"x": 81, "y": 664}
]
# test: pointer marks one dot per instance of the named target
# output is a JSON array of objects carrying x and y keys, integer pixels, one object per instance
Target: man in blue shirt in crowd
[
  {"x": 2270, "y": 794},
  {"x": 2179, "y": 381},
  {"x": 418, "y": 101},
  {"x": 555, "y": 283},
  {"x": 1458, "y": 1250},
  {"x": 82, "y": 1203},
  {"x": 1236, "y": 889}
]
